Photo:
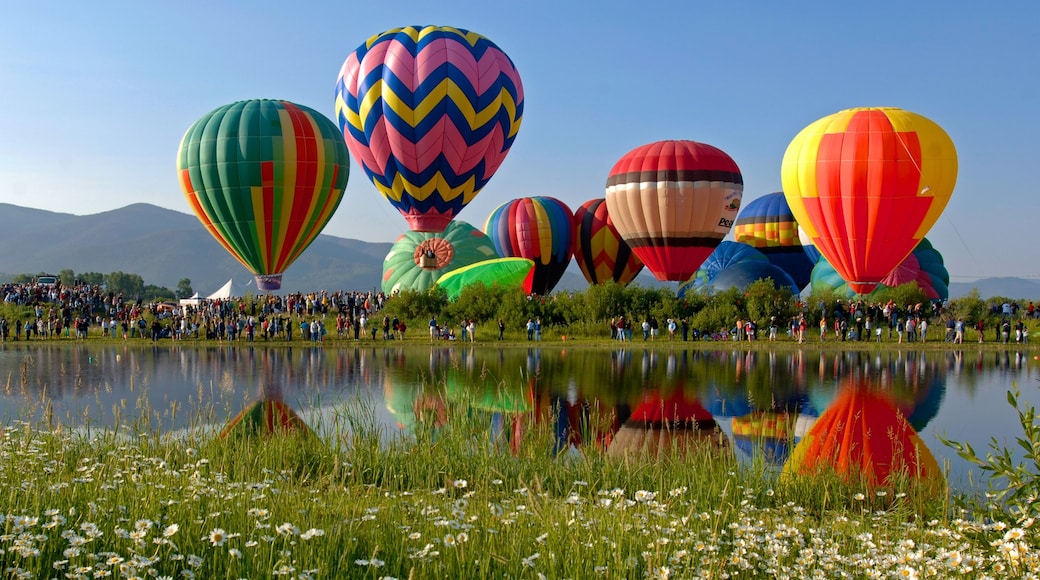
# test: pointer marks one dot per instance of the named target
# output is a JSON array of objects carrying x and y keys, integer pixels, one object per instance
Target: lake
[{"x": 759, "y": 398}]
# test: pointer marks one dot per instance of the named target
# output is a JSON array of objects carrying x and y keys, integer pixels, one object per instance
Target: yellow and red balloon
[{"x": 866, "y": 185}]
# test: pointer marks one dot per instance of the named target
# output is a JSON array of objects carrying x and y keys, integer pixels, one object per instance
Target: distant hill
[
  {"x": 1018, "y": 288},
  {"x": 163, "y": 246}
]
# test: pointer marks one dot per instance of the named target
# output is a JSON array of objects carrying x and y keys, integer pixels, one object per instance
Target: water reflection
[
  {"x": 764, "y": 402},
  {"x": 864, "y": 434}
]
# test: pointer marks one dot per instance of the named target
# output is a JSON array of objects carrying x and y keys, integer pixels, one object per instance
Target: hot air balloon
[
  {"x": 725, "y": 255},
  {"x": 536, "y": 228},
  {"x": 673, "y": 202},
  {"x": 924, "y": 266},
  {"x": 418, "y": 259},
  {"x": 505, "y": 272},
  {"x": 430, "y": 112},
  {"x": 768, "y": 224},
  {"x": 264, "y": 177},
  {"x": 598, "y": 248},
  {"x": 867, "y": 185}
]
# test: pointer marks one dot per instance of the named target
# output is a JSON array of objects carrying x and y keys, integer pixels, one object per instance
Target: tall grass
[{"x": 454, "y": 499}]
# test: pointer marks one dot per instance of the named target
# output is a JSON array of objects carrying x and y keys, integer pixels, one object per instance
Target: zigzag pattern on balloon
[{"x": 430, "y": 113}]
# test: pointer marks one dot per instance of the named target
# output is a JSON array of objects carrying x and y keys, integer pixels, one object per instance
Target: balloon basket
[{"x": 269, "y": 282}]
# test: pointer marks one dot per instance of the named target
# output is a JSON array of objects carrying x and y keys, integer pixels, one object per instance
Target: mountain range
[{"x": 164, "y": 246}]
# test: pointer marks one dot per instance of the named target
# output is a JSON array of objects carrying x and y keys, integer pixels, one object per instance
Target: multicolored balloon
[
  {"x": 598, "y": 248},
  {"x": 768, "y": 224},
  {"x": 539, "y": 229},
  {"x": 673, "y": 202},
  {"x": 867, "y": 185},
  {"x": 418, "y": 259},
  {"x": 264, "y": 177},
  {"x": 430, "y": 112},
  {"x": 924, "y": 266}
]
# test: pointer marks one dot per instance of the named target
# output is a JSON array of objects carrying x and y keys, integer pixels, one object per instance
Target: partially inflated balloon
[
  {"x": 418, "y": 259},
  {"x": 673, "y": 202},
  {"x": 725, "y": 255},
  {"x": 505, "y": 272},
  {"x": 867, "y": 185},
  {"x": 430, "y": 113},
  {"x": 768, "y": 224},
  {"x": 537, "y": 228},
  {"x": 264, "y": 177},
  {"x": 598, "y": 248}
]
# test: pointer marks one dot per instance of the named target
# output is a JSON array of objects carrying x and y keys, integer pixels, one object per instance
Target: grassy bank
[{"x": 452, "y": 503}]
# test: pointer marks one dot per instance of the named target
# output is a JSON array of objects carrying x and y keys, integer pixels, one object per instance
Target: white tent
[
  {"x": 193, "y": 301},
  {"x": 223, "y": 293}
]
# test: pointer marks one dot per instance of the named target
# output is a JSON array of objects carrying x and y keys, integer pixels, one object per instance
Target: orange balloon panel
[
  {"x": 673, "y": 202},
  {"x": 866, "y": 185}
]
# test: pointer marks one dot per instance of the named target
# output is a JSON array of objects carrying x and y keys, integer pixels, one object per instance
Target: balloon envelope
[
  {"x": 867, "y": 185},
  {"x": 430, "y": 113},
  {"x": 673, "y": 202},
  {"x": 506, "y": 272},
  {"x": 537, "y": 228},
  {"x": 264, "y": 177},
  {"x": 598, "y": 248},
  {"x": 418, "y": 259},
  {"x": 767, "y": 224},
  {"x": 924, "y": 266}
]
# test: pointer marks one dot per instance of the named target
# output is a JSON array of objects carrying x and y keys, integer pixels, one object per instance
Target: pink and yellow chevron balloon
[{"x": 430, "y": 112}]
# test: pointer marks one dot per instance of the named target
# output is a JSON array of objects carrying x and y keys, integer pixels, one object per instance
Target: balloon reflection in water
[
  {"x": 862, "y": 434},
  {"x": 661, "y": 426},
  {"x": 268, "y": 415}
]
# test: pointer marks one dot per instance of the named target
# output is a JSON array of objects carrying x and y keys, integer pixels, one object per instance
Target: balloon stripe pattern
[
  {"x": 264, "y": 177},
  {"x": 598, "y": 248},
  {"x": 768, "y": 224},
  {"x": 430, "y": 114},
  {"x": 539, "y": 229},
  {"x": 866, "y": 185},
  {"x": 673, "y": 202}
]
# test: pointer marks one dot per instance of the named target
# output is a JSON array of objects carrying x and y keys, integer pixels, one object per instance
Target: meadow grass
[{"x": 451, "y": 501}]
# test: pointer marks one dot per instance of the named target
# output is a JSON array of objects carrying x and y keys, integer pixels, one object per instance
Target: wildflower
[
  {"x": 287, "y": 529},
  {"x": 528, "y": 562},
  {"x": 235, "y": 553},
  {"x": 217, "y": 537},
  {"x": 460, "y": 483},
  {"x": 170, "y": 530},
  {"x": 312, "y": 533},
  {"x": 907, "y": 572},
  {"x": 414, "y": 536},
  {"x": 449, "y": 540},
  {"x": 859, "y": 497},
  {"x": 643, "y": 496}
]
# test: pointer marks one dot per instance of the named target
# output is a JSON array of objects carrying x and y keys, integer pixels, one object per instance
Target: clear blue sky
[{"x": 95, "y": 96}]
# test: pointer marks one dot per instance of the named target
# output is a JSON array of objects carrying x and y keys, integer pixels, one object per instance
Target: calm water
[{"x": 957, "y": 394}]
